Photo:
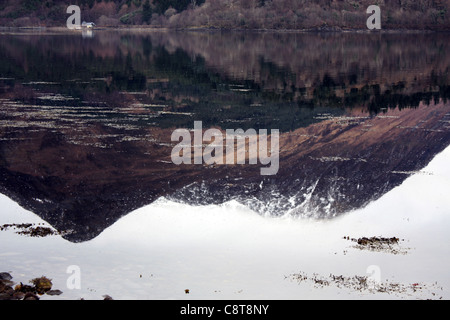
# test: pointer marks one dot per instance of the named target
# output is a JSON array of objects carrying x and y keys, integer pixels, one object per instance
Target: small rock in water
[
  {"x": 30, "y": 296},
  {"x": 5, "y": 285},
  {"x": 18, "y": 295},
  {"x": 5, "y": 276},
  {"x": 54, "y": 292},
  {"x": 5, "y": 296}
]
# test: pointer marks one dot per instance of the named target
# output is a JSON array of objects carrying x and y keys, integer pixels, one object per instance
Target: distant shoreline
[{"x": 212, "y": 29}]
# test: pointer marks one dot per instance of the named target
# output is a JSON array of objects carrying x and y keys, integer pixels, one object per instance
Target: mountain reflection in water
[{"x": 86, "y": 123}]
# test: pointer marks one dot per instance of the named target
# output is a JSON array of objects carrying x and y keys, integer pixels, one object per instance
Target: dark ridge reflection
[{"x": 86, "y": 123}]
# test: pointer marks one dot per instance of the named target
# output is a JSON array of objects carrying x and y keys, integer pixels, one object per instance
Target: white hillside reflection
[
  {"x": 227, "y": 251},
  {"x": 86, "y": 151}
]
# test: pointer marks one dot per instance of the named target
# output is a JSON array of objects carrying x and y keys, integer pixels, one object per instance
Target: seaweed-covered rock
[
  {"x": 29, "y": 229},
  {"x": 22, "y": 291},
  {"x": 17, "y": 295},
  {"x": 380, "y": 244},
  {"x": 377, "y": 240},
  {"x": 30, "y": 296},
  {"x": 38, "y": 232},
  {"x": 6, "y": 291},
  {"x": 42, "y": 284},
  {"x": 24, "y": 288}
]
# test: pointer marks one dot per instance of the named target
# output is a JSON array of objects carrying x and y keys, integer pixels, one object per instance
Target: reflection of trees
[
  {"x": 374, "y": 100},
  {"x": 258, "y": 80}
]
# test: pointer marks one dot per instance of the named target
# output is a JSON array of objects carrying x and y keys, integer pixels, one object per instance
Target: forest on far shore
[{"x": 231, "y": 14}]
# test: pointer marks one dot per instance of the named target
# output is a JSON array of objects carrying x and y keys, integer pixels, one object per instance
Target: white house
[{"x": 88, "y": 25}]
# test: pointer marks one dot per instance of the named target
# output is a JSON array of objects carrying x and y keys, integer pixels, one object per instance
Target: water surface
[{"x": 86, "y": 120}]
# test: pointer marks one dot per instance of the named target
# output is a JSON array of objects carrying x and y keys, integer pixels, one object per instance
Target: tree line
[{"x": 233, "y": 14}]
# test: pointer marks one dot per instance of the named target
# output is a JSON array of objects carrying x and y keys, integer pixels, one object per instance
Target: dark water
[{"x": 86, "y": 120}]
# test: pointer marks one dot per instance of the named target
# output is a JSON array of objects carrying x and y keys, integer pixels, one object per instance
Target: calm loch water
[{"x": 86, "y": 119}]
